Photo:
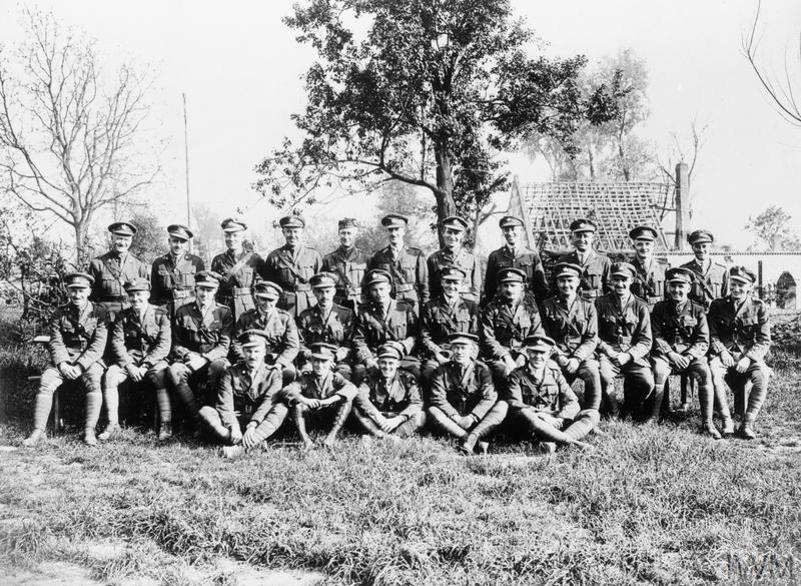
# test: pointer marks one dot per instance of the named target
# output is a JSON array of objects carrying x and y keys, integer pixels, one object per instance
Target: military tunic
[
  {"x": 292, "y": 269},
  {"x": 524, "y": 259},
  {"x": 709, "y": 284},
  {"x": 389, "y": 398},
  {"x": 311, "y": 386},
  {"x": 141, "y": 341},
  {"x": 649, "y": 282},
  {"x": 442, "y": 259},
  {"x": 440, "y": 319},
  {"x": 595, "y": 278},
  {"x": 399, "y": 323},
  {"x": 503, "y": 328},
  {"x": 459, "y": 390},
  {"x": 238, "y": 274},
  {"x": 110, "y": 273},
  {"x": 349, "y": 266},
  {"x": 409, "y": 273},
  {"x": 335, "y": 328},
  {"x": 282, "y": 335},
  {"x": 173, "y": 280}
]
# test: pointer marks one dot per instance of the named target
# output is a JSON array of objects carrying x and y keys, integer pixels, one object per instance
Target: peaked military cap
[
  {"x": 323, "y": 351},
  {"x": 267, "y": 289},
  {"x": 179, "y": 231},
  {"x": 452, "y": 274},
  {"x": 322, "y": 280},
  {"x": 508, "y": 221},
  {"x": 583, "y": 225},
  {"x": 700, "y": 236},
  {"x": 377, "y": 276},
  {"x": 292, "y": 221},
  {"x": 78, "y": 280},
  {"x": 232, "y": 225},
  {"x": 511, "y": 275},
  {"x": 623, "y": 269},
  {"x": 539, "y": 343},
  {"x": 643, "y": 233},
  {"x": 679, "y": 275},
  {"x": 348, "y": 223},
  {"x": 454, "y": 223},
  {"x": 122, "y": 228},
  {"x": 567, "y": 269},
  {"x": 250, "y": 338},
  {"x": 462, "y": 338},
  {"x": 208, "y": 279},
  {"x": 742, "y": 274},
  {"x": 391, "y": 350},
  {"x": 137, "y": 284},
  {"x": 394, "y": 220}
]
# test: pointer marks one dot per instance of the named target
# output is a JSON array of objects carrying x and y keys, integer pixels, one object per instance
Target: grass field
[{"x": 651, "y": 505}]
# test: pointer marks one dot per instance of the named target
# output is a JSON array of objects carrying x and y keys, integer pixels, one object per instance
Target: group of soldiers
[{"x": 396, "y": 341}]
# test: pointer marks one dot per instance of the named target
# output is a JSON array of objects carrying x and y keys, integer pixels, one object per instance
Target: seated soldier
[
  {"x": 201, "y": 336},
  {"x": 277, "y": 324},
  {"x": 739, "y": 328},
  {"x": 506, "y": 321},
  {"x": 444, "y": 315},
  {"x": 321, "y": 397},
  {"x": 326, "y": 322},
  {"x": 573, "y": 323},
  {"x": 681, "y": 340},
  {"x": 140, "y": 342},
  {"x": 382, "y": 320},
  {"x": 541, "y": 403},
  {"x": 249, "y": 396},
  {"x": 77, "y": 340},
  {"x": 462, "y": 393},
  {"x": 624, "y": 332},
  {"x": 388, "y": 403}
]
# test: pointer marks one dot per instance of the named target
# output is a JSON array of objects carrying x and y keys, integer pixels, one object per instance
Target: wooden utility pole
[
  {"x": 186, "y": 157},
  {"x": 682, "y": 205}
]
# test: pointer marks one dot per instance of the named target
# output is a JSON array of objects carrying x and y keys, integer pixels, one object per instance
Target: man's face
[
  {"x": 739, "y": 289},
  {"x": 701, "y": 250},
  {"x": 380, "y": 292},
  {"x": 233, "y": 240},
  {"x": 293, "y": 236},
  {"x": 347, "y": 236},
  {"x": 678, "y": 290},
  {"x": 536, "y": 358},
  {"x": 324, "y": 295},
  {"x": 452, "y": 237},
  {"x": 451, "y": 286},
  {"x": 567, "y": 285},
  {"x": 643, "y": 248},
  {"x": 265, "y": 304},
  {"x": 254, "y": 355},
  {"x": 138, "y": 299},
  {"x": 178, "y": 246},
  {"x": 511, "y": 234},
  {"x": 205, "y": 294},
  {"x": 621, "y": 284},
  {"x": 396, "y": 234},
  {"x": 583, "y": 240},
  {"x": 462, "y": 352},
  {"x": 120, "y": 243},
  {"x": 388, "y": 366},
  {"x": 320, "y": 366},
  {"x": 78, "y": 295},
  {"x": 511, "y": 290}
]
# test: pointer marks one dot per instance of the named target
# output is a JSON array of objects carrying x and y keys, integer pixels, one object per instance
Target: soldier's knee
[
  {"x": 209, "y": 414},
  {"x": 436, "y": 415},
  {"x": 157, "y": 377},
  {"x": 288, "y": 375},
  {"x": 93, "y": 376},
  {"x": 217, "y": 367},
  {"x": 177, "y": 373},
  {"x": 112, "y": 377},
  {"x": 590, "y": 415},
  {"x": 50, "y": 381}
]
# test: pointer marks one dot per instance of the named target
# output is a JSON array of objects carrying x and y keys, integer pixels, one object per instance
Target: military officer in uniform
[
  {"x": 201, "y": 336},
  {"x": 711, "y": 278},
  {"x": 624, "y": 331},
  {"x": 327, "y": 322},
  {"x": 405, "y": 264},
  {"x": 113, "y": 269},
  {"x": 515, "y": 254},
  {"x": 140, "y": 342},
  {"x": 292, "y": 266},
  {"x": 348, "y": 264},
  {"x": 321, "y": 397},
  {"x": 739, "y": 327},
  {"x": 505, "y": 322},
  {"x": 238, "y": 269},
  {"x": 542, "y": 405},
  {"x": 595, "y": 275},
  {"x": 380, "y": 320},
  {"x": 444, "y": 315},
  {"x": 453, "y": 230},
  {"x": 572, "y": 322},
  {"x": 77, "y": 340},
  {"x": 173, "y": 275},
  {"x": 249, "y": 405},
  {"x": 649, "y": 278},
  {"x": 681, "y": 341},
  {"x": 388, "y": 403},
  {"x": 278, "y": 326}
]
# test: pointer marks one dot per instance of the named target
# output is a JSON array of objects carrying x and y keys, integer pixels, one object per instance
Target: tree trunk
[
  {"x": 81, "y": 228},
  {"x": 446, "y": 206}
]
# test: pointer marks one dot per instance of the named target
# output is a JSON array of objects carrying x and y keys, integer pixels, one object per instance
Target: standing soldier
[
  {"x": 348, "y": 264},
  {"x": 327, "y": 322},
  {"x": 321, "y": 397},
  {"x": 624, "y": 331},
  {"x": 541, "y": 403},
  {"x": 740, "y": 332},
  {"x": 388, "y": 402},
  {"x": 649, "y": 278},
  {"x": 113, "y": 269},
  {"x": 505, "y": 322},
  {"x": 77, "y": 340},
  {"x": 237, "y": 268},
  {"x": 249, "y": 397},
  {"x": 515, "y": 254},
  {"x": 462, "y": 394},
  {"x": 454, "y": 255},
  {"x": 173, "y": 275},
  {"x": 140, "y": 342},
  {"x": 292, "y": 266},
  {"x": 711, "y": 278},
  {"x": 595, "y": 273},
  {"x": 201, "y": 336},
  {"x": 381, "y": 320},
  {"x": 406, "y": 265},
  {"x": 681, "y": 341},
  {"x": 572, "y": 322},
  {"x": 447, "y": 314}
]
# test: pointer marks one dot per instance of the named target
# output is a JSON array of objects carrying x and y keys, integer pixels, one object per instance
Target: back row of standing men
[{"x": 419, "y": 311}]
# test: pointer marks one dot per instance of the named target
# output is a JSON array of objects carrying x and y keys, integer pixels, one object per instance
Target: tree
[
  {"x": 68, "y": 131},
  {"x": 150, "y": 240},
  {"x": 774, "y": 229},
  {"x": 431, "y": 96}
]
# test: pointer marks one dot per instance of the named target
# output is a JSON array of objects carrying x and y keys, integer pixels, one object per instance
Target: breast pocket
[
  {"x": 306, "y": 270},
  {"x": 186, "y": 278},
  {"x": 593, "y": 278}
]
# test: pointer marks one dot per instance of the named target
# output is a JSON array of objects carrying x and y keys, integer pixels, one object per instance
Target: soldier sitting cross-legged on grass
[{"x": 249, "y": 397}]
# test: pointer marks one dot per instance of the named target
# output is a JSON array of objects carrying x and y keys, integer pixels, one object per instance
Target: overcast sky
[{"x": 240, "y": 68}]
